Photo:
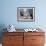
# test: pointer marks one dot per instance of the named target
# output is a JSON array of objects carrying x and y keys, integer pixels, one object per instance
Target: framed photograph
[{"x": 26, "y": 14}]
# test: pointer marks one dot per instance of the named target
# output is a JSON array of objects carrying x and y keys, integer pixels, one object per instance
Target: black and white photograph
[{"x": 26, "y": 14}]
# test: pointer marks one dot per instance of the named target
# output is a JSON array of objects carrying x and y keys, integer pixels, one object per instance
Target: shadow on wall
[{"x": 2, "y": 26}]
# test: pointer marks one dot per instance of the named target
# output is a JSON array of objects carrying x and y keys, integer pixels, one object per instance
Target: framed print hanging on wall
[{"x": 26, "y": 14}]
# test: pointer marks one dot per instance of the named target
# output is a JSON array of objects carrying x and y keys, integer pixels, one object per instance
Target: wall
[{"x": 8, "y": 15}]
